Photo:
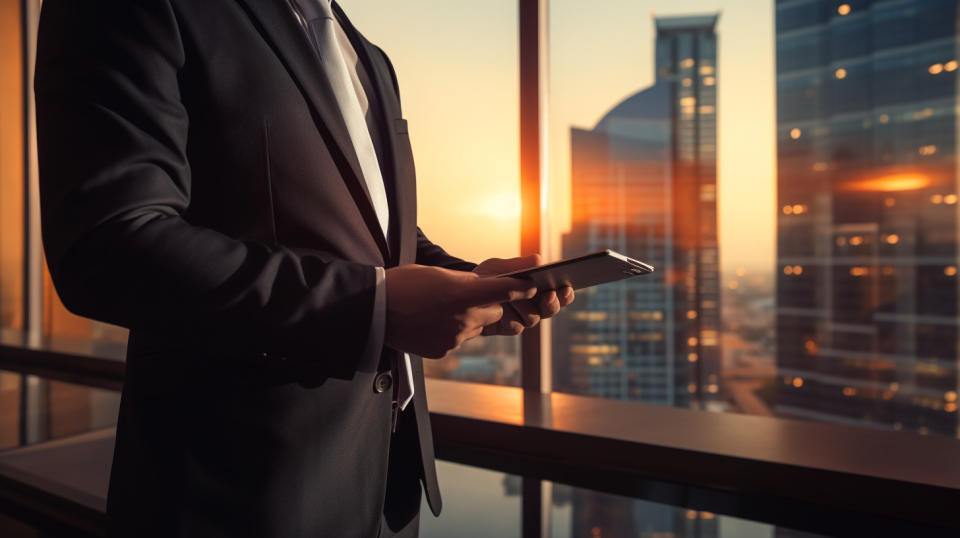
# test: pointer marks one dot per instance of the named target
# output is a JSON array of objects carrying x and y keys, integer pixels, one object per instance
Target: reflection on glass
[
  {"x": 477, "y": 503},
  {"x": 643, "y": 182},
  {"x": 867, "y": 285},
  {"x": 584, "y": 513},
  {"x": 50, "y": 409}
]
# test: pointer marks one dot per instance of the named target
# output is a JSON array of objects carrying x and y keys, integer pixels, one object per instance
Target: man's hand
[
  {"x": 431, "y": 310},
  {"x": 525, "y": 313}
]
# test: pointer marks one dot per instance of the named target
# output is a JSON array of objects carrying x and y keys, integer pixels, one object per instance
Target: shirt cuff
[{"x": 378, "y": 324}]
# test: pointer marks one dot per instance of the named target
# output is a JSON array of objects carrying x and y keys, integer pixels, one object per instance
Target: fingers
[
  {"x": 565, "y": 295},
  {"x": 548, "y": 304},
  {"x": 490, "y": 290},
  {"x": 527, "y": 312},
  {"x": 481, "y": 316}
]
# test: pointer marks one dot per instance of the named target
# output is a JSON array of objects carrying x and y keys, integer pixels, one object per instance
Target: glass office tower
[
  {"x": 644, "y": 183},
  {"x": 867, "y": 231}
]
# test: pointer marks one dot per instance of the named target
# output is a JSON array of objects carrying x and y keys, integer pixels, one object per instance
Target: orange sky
[{"x": 457, "y": 65}]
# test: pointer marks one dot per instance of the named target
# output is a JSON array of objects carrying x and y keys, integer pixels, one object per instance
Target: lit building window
[
  {"x": 859, "y": 271},
  {"x": 795, "y": 133},
  {"x": 884, "y": 118},
  {"x": 888, "y": 270},
  {"x": 889, "y": 202},
  {"x": 692, "y": 341},
  {"x": 691, "y": 314},
  {"x": 840, "y": 73},
  {"x": 820, "y": 167},
  {"x": 892, "y": 239},
  {"x": 950, "y": 396},
  {"x": 927, "y": 150},
  {"x": 707, "y": 109},
  {"x": 733, "y": 284},
  {"x": 856, "y": 240},
  {"x": 950, "y": 270},
  {"x": 687, "y": 63},
  {"x": 950, "y": 66},
  {"x": 849, "y": 391},
  {"x": 713, "y": 388},
  {"x": 798, "y": 269},
  {"x": 841, "y": 241},
  {"x": 811, "y": 347},
  {"x": 788, "y": 269},
  {"x": 799, "y": 209},
  {"x": 950, "y": 199},
  {"x": 709, "y": 81},
  {"x": 798, "y": 382},
  {"x": 788, "y": 210},
  {"x": 843, "y": 9},
  {"x": 935, "y": 69},
  {"x": 692, "y": 357},
  {"x": 936, "y": 199},
  {"x": 687, "y": 83},
  {"x": 706, "y": 70},
  {"x": 688, "y": 101}
]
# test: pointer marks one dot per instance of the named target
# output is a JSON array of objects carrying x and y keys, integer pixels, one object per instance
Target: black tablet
[{"x": 583, "y": 271}]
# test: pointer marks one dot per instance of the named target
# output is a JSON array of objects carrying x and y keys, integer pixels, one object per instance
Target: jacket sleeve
[
  {"x": 115, "y": 186},
  {"x": 430, "y": 254}
]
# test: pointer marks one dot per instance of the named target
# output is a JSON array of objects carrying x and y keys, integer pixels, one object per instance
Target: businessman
[{"x": 233, "y": 181}]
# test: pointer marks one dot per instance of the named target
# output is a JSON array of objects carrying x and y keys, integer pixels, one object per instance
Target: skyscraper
[
  {"x": 644, "y": 183},
  {"x": 867, "y": 230}
]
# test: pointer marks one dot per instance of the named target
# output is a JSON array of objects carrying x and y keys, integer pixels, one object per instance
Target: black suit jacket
[{"x": 198, "y": 186}]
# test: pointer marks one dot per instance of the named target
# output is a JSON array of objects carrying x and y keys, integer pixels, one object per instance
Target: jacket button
[{"x": 383, "y": 382}]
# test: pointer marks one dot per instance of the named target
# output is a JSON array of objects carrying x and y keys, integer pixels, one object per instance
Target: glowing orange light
[
  {"x": 687, "y": 83},
  {"x": 799, "y": 209},
  {"x": 788, "y": 270},
  {"x": 859, "y": 271},
  {"x": 889, "y": 202},
  {"x": 798, "y": 269},
  {"x": 841, "y": 241},
  {"x": 849, "y": 391},
  {"x": 798, "y": 382},
  {"x": 795, "y": 133},
  {"x": 811, "y": 347},
  {"x": 712, "y": 388},
  {"x": 692, "y": 357},
  {"x": 856, "y": 240},
  {"x": 840, "y": 73},
  {"x": 820, "y": 167},
  {"x": 733, "y": 284},
  {"x": 788, "y": 210},
  {"x": 893, "y": 239},
  {"x": 950, "y": 396},
  {"x": 692, "y": 341},
  {"x": 691, "y": 388},
  {"x": 950, "y": 199},
  {"x": 950, "y": 407},
  {"x": 709, "y": 81},
  {"x": 843, "y": 9},
  {"x": 950, "y": 66},
  {"x": 884, "y": 118},
  {"x": 691, "y": 314},
  {"x": 950, "y": 270},
  {"x": 890, "y": 183},
  {"x": 928, "y": 150},
  {"x": 935, "y": 69},
  {"x": 936, "y": 199}
]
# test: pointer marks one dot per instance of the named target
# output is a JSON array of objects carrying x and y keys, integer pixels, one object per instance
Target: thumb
[{"x": 491, "y": 290}]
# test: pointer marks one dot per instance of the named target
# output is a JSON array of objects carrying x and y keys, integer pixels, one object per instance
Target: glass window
[
  {"x": 11, "y": 166},
  {"x": 802, "y": 213}
]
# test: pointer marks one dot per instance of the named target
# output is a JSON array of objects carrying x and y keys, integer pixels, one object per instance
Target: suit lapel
[
  {"x": 280, "y": 28},
  {"x": 392, "y": 125}
]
